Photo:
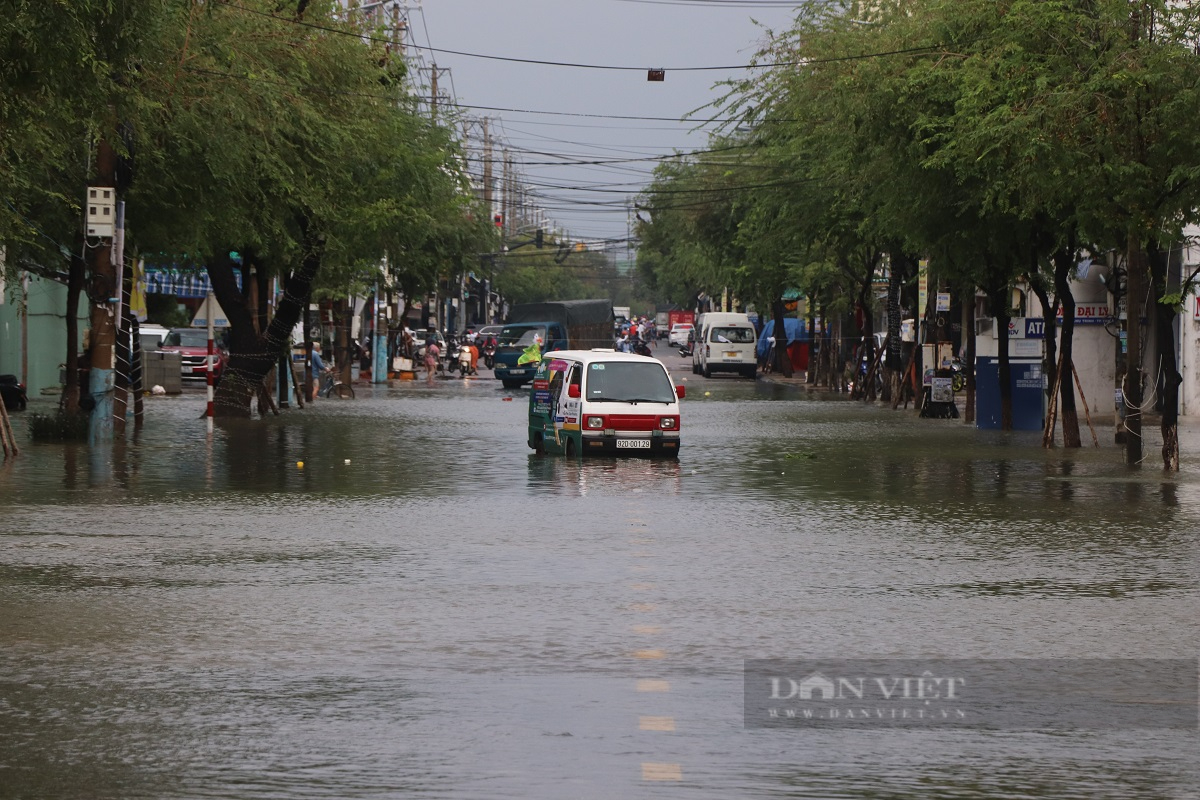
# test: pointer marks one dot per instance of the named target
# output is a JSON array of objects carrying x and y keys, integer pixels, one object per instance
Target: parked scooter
[
  {"x": 641, "y": 348},
  {"x": 685, "y": 350}
]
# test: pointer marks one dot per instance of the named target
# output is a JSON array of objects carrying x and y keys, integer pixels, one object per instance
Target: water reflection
[{"x": 621, "y": 476}]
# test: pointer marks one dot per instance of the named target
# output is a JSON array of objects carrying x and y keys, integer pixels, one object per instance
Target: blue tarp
[{"x": 795, "y": 328}]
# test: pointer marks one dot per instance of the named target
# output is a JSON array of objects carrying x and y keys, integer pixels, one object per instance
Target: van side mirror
[
  {"x": 680, "y": 391},
  {"x": 573, "y": 390}
]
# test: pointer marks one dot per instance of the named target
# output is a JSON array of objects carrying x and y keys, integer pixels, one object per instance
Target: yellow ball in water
[{"x": 299, "y": 465}]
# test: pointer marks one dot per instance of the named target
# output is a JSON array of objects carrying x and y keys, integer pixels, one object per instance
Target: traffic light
[{"x": 539, "y": 239}]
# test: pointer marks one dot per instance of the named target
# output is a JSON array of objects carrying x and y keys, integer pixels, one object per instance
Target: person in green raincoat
[{"x": 533, "y": 353}]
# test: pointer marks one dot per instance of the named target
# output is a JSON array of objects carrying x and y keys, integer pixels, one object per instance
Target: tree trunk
[
  {"x": 810, "y": 374},
  {"x": 237, "y": 387},
  {"x": 1170, "y": 380},
  {"x": 1000, "y": 308},
  {"x": 969, "y": 359},
  {"x": 342, "y": 313},
  {"x": 249, "y": 365},
  {"x": 783, "y": 359},
  {"x": 1050, "y": 357},
  {"x": 1135, "y": 300},
  {"x": 75, "y": 279},
  {"x": 1064, "y": 260}
]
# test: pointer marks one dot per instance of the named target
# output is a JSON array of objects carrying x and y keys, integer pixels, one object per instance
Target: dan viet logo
[
  {"x": 1017, "y": 694},
  {"x": 818, "y": 687},
  {"x": 924, "y": 697}
]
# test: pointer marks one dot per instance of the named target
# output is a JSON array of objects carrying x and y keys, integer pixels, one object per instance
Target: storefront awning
[{"x": 181, "y": 282}]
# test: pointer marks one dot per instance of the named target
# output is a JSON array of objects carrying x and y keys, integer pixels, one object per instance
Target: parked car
[
  {"x": 151, "y": 337},
  {"x": 192, "y": 346},
  {"x": 13, "y": 393},
  {"x": 679, "y": 334}
]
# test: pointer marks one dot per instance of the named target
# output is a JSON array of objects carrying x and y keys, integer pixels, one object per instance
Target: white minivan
[
  {"x": 594, "y": 402},
  {"x": 725, "y": 342}
]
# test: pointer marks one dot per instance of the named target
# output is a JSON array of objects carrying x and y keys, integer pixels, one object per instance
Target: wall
[{"x": 45, "y": 346}]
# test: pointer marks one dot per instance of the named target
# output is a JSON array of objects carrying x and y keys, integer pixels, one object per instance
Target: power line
[{"x": 610, "y": 67}]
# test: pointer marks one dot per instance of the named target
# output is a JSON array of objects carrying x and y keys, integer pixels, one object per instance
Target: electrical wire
[{"x": 574, "y": 65}]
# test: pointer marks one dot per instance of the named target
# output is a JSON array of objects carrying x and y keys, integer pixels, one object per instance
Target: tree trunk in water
[
  {"x": 247, "y": 368},
  {"x": 969, "y": 360},
  {"x": 810, "y": 375},
  {"x": 1171, "y": 380},
  {"x": 783, "y": 359},
  {"x": 75, "y": 278},
  {"x": 237, "y": 386},
  {"x": 1050, "y": 358},
  {"x": 1000, "y": 305},
  {"x": 1135, "y": 299},
  {"x": 341, "y": 311},
  {"x": 1064, "y": 260}
]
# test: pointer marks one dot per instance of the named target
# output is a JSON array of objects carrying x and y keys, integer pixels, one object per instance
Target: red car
[{"x": 192, "y": 346}]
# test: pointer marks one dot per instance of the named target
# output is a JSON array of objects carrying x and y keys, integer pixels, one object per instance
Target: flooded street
[{"x": 426, "y": 609}]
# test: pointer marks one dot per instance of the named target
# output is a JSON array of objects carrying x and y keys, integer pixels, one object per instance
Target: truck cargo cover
[{"x": 568, "y": 312}]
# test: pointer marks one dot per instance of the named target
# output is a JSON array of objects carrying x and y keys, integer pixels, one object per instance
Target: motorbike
[
  {"x": 489, "y": 354},
  {"x": 685, "y": 350},
  {"x": 448, "y": 361},
  {"x": 958, "y": 376},
  {"x": 641, "y": 348},
  {"x": 464, "y": 361}
]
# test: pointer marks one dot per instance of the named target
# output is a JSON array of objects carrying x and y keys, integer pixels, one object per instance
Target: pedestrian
[
  {"x": 432, "y": 351},
  {"x": 318, "y": 369}
]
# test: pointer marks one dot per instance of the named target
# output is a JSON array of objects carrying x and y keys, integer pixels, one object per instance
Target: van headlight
[
  {"x": 595, "y": 423},
  {"x": 668, "y": 423}
]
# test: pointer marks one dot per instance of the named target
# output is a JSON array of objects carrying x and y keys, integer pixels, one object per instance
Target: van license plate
[
  {"x": 731, "y": 355},
  {"x": 636, "y": 444}
]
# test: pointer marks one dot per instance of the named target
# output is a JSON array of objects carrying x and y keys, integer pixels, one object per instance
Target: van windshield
[
  {"x": 628, "y": 382},
  {"x": 732, "y": 335},
  {"x": 521, "y": 335}
]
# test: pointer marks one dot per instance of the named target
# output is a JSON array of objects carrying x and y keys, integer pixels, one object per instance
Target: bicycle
[{"x": 331, "y": 384}]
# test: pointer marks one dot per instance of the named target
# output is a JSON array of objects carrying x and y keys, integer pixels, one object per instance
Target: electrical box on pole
[{"x": 100, "y": 212}]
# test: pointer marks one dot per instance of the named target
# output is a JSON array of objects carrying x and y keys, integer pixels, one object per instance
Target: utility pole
[
  {"x": 103, "y": 293},
  {"x": 487, "y": 166},
  {"x": 508, "y": 196}
]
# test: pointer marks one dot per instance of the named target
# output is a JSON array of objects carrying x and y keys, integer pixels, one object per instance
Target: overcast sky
[{"x": 636, "y": 34}]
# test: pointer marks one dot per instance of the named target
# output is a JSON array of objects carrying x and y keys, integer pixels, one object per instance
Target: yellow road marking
[
  {"x": 643, "y": 554},
  {"x": 641, "y": 587},
  {"x": 643, "y": 607},
  {"x": 647, "y": 628},
  {"x": 652, "y": 655},
  {"x": 649, "y": 685},
  {"x": 661, "y": 772},
  {"x": 641, "y": 541},
  {"x": 656, "y": 723},
  {"x": 638, "y": 568}
]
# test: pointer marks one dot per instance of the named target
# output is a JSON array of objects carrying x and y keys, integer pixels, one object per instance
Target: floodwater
[{"x": 425, "y": 609}]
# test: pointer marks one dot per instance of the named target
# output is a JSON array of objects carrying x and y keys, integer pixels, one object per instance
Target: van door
[{"x": 566, "y": 406}]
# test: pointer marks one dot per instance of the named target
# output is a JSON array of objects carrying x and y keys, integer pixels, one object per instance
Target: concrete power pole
[{"x": 104, "y": 293}]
